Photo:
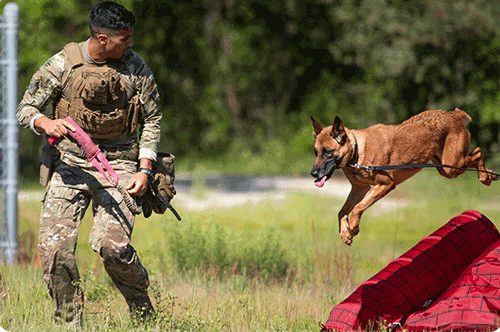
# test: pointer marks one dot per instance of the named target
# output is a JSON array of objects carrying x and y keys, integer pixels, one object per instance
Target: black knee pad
[{"x": 121, "y": 255}]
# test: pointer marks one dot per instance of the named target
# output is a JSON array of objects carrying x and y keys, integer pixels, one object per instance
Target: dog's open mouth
[
  {"x": 330, "y": 166},
  {"x": 320, "y": 182}
]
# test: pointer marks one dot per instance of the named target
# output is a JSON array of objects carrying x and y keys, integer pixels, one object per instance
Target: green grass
[{"x": 278, "y": 265}]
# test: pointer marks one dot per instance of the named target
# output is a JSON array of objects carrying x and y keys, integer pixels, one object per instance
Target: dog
[{"x": 435, "y": 135}]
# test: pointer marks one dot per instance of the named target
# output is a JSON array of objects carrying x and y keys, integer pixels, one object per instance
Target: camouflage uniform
[{"x": 76, "y": 182}]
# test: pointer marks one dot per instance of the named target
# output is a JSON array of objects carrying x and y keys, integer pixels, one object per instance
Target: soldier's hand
[
  {"x": 138, "y": 185},
  {"x": 56, "y": 128}
]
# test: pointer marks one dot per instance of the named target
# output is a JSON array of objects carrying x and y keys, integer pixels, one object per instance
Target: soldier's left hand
[{"x": 138, "y": 185}]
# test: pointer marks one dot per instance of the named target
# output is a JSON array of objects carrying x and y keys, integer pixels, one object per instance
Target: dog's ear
[
  {"x": 317, "y": 127},
  {"x": 338, "y": 131}
]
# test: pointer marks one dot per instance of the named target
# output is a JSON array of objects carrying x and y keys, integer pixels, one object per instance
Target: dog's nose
[{"x": 314, "y": 172}]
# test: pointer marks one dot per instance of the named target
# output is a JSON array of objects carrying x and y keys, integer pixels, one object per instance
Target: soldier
[{"x": 111, "y": 93}]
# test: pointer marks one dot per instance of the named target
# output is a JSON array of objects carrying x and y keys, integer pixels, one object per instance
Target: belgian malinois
[{"x": 436, "y": 135}]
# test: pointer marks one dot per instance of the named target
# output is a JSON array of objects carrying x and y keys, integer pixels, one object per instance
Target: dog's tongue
[{"x": 320, "y": 182}]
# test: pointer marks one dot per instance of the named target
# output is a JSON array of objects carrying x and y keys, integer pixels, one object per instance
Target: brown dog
[{"x": 440, "y": 136}]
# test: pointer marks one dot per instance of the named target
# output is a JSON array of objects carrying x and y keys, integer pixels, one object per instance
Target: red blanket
[{"x": 449, "y": 279}]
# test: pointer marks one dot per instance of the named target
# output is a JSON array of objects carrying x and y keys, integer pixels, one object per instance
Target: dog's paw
[
  {"x": 354, "y": 230},
  {"x": 346, "y": 236},
  {"x": 494, "y": 177},
  {"x": 486, "y": 178}
]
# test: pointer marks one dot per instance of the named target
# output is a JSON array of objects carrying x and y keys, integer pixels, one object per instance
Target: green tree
[
  {"x": 246, "y": 72},
  {"x": 424, "y": 55}
]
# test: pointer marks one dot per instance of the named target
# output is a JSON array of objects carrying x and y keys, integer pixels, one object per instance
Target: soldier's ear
[{"x": 102, "y": 38}]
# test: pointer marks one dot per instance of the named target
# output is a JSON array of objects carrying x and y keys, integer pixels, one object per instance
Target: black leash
[
  {"x": 163, "y": 200},
  {"x": 353, "y": 162},
  {"x": 371, "y": 169}
]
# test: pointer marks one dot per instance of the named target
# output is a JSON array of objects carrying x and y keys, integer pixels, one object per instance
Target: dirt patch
[{"x": 246, "y": 190}]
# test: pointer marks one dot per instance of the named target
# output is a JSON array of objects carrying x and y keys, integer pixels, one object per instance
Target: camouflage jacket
[{"x": 47, "y": 83}]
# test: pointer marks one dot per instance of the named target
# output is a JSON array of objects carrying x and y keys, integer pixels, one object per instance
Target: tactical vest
[{"x": 97, "y": 98}]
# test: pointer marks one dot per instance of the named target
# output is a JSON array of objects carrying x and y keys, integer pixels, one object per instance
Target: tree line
[{"x": 248, "y": 72}]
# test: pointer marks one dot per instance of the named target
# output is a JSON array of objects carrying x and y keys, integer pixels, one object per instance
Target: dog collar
[{"x": 354, "y": 160}]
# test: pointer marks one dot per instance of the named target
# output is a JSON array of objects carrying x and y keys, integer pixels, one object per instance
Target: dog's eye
[{"x": 327, "y": 153}]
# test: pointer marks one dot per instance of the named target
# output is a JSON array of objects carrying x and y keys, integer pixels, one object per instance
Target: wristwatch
[{"x": 146, "y": 171}]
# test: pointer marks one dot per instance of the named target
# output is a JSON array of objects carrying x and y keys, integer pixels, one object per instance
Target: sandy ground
[{"x": 225, "y": 192}]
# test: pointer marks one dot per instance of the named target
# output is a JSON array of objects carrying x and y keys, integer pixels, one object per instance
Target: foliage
[
  {"x": 249, "y": 71},
  {"x": 194, "y": 248}
]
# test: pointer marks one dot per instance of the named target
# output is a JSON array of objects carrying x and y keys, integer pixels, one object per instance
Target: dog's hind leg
[
  {"x": 477, "y": 161},
  {"x": 455, "y": 154}
]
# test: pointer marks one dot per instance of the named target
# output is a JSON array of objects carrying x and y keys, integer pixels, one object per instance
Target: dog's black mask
[{"x": 329, "y": 166}]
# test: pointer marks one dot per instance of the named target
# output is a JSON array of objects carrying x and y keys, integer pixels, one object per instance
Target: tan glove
[
  {"x": 163, "y": 184},
  {"x": 165, "y": 188}
]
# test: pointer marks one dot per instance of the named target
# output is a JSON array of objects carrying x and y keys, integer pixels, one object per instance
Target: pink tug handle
[
  {"x": 54, "y": 140},
  {"x": 94, "y": 154}
]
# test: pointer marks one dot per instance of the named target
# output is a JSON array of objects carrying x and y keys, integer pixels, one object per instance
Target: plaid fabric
[
  {"x": 417, "y": 278},
  {"x": 471, "y": 303}
]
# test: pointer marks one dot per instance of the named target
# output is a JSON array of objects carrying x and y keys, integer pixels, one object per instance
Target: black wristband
[{"x": 146, "y": 171}]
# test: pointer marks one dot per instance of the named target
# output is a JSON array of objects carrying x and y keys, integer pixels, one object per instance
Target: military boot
[{"x": 141, "y": 309}]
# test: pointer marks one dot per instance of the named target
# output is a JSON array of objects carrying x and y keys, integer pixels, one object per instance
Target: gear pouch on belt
[
  {"x": 162, "y": 181},
  {"x": 50, "y": 154}
]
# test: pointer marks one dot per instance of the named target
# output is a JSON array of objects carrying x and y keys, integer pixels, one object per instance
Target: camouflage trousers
[{"x": 74, "y": 184}]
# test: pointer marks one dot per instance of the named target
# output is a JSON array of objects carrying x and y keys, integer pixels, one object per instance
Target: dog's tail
[{"x": 464, "y": 117}]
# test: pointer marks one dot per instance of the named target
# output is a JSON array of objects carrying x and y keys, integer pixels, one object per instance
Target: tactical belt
[{"x": 129, "y": 152}]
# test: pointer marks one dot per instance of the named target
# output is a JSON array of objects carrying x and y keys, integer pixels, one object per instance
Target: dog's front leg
[
  {"x": 355, "y": 196},
  {"x": 373, "y": 195}
]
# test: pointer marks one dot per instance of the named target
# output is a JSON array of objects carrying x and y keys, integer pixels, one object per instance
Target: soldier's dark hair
[{"x": 111, "y": 16}]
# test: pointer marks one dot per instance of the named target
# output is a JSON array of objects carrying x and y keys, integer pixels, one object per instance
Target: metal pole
[{"x": 10, "y": 157}]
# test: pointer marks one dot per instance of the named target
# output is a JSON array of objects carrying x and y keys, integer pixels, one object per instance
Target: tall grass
[{"x": 278, "y": 265}]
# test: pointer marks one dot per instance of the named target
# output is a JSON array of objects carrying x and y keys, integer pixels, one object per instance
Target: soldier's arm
[
  {"x": 44, "y": 87},
  {"x": 150, "y": 117},
  {"x": 148, "y": 129}
]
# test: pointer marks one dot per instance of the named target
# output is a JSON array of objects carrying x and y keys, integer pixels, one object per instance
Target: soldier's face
[{"x": 118, "y": 43}]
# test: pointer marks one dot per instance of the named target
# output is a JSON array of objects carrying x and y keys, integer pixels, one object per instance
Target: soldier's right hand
[{"x": 56, "y": 128}]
